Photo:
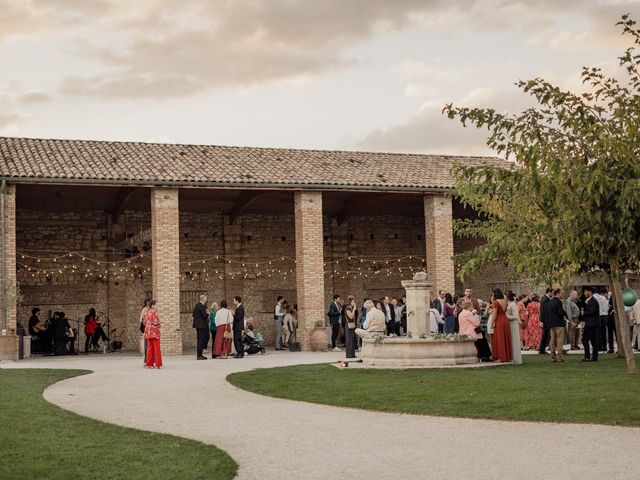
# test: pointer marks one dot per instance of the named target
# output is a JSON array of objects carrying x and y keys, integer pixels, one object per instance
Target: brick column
[
  {"x": 309, "y": 263},
  {"x": 165, "y": 248},
  {"x": 8, "y": 338},
  {"x": 438, "y": 222}
]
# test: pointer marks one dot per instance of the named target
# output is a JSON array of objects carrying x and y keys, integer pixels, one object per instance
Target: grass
[
  {"x": 41, "y": 441},
  {"x": 536, "y": 391}
]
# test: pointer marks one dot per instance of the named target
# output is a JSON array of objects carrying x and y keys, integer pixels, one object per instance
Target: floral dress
[
  {"x": 534, "y": 330},
  {"x": 151, "y": 324}
]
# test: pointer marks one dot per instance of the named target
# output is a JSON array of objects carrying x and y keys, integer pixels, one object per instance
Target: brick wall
[
  {"x": 165, "y": 241},
  {"x": 310, "y": 259},
  {"x": 8, "y": 342},
  {"x": 439, "y": 242},
  {"x": 253, "y": 239}
]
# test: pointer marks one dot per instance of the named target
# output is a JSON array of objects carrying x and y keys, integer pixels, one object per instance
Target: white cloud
[{"x": 429, "y": 131}]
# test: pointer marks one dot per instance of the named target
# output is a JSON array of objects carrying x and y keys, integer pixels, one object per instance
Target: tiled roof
[{"x": 102, "y": 162}]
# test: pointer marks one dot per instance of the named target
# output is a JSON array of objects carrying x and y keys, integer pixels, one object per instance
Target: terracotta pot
[{"x": 318, "y": 340}]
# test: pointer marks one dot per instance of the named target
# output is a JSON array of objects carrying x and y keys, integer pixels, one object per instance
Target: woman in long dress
[
  {"x": 449, "y": 315},
  {"x": 224, "y": 321},
  {"x": 514, "y": 320},
  {"x": 501, "y": 340},
  {"x": 534, "y": 330}
]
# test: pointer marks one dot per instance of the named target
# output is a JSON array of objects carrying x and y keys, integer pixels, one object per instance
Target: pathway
[{"x": 275, "y": 439}]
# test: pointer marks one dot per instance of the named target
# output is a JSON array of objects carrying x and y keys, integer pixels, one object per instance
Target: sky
[{"x": 322, "y": 74}]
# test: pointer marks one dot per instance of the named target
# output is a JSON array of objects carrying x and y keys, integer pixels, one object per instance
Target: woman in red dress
[
  {"x": 534, "y": 330},
  {"x": 501, "y": 341},
  {"x": 152, "y": 334}
]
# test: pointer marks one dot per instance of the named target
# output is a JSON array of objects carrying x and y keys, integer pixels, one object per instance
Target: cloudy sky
[{"x": 334, "y": 74}]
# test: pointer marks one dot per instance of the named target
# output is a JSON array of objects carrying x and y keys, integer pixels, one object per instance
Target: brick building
[{"x": 103, "y": 224}]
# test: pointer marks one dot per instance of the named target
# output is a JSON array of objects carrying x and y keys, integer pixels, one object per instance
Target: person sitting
[
  {"x": 470, "y": 326},
  {"x": 374, "y": 322},
  {"x": 98, "y": 335},
  {"x": 435, "y": 320}
]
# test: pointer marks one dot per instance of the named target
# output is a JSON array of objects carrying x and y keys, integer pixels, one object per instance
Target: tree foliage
[{"x": 569, "y": 200}]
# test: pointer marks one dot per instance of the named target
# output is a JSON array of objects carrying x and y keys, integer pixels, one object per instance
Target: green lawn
[
  {"x": 537, "y": 390},
  {"x": 41, "y": 441}
]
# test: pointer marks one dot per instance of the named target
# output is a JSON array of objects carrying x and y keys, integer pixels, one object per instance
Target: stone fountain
[{"x": 418, "y": 348}]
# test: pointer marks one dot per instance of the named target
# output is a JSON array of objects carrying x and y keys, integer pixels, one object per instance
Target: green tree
[{"x": 569, "y": 203}]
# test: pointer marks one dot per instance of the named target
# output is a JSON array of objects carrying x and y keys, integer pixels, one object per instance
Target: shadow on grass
[
  {"x": 39, "y": 440},
  {"x": 538, "y": 390}
]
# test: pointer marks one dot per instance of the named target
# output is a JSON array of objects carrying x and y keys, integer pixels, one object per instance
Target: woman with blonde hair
[{"x": 470, "y": 326}]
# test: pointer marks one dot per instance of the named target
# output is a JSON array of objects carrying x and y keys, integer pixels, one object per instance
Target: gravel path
[{"x": 276, "y": 439}]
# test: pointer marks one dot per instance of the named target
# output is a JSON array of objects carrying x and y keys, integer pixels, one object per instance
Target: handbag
[{"x": 227, "y": 335}]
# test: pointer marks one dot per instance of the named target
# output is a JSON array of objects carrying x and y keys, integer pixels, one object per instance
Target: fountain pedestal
[{"x": 418, "y": 348}]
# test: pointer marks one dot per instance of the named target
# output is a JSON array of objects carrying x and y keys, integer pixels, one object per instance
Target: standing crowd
[{"x": 501, "y": 327}]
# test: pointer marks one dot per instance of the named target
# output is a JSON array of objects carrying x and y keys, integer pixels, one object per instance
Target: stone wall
[{"x": 254, "y": 239}]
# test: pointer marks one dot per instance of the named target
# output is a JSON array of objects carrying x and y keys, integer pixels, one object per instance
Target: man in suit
[
  {"x": 591, "y": 334},
  {"x": 201, "y": 324},
  {"x": 603, "y": 303},
  {"x": 334, "y": 321},
  {"x": 544, "y": 340},
  {"x": 438, "y": 302},
  {"x": 556, "y": 321},
  {"x": 390, "y": 316},
  {"x": 238, "y": 327}
]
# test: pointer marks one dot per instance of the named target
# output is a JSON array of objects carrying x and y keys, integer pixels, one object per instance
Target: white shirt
[
  {"x": 603, "y": 303},
  {"x": 279, "y": 312},
  {"x": 435, "y": 319},
  {"x": 387, "y": 309},
  {"x": 368, "y": 318},
  {"x": 223, "y": 317}
]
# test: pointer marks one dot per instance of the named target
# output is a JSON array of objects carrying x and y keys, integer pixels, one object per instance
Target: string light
[{"x": 133, "y": 267}]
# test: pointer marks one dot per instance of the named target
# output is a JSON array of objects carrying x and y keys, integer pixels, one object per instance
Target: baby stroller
[{"x": 253, "y": 343}]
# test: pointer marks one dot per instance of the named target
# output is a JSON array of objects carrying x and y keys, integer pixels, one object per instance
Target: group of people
[
  {"x": 347, "y": 315},
  {"x": 547, "y": 321},
  {"x": 52, "y": 336},
  {"x": 285, "y": 321},
  {"x": 227, "y": 330},
  {"x": 56, "y": 336}
]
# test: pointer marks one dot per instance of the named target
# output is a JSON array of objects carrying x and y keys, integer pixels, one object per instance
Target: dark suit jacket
[
  {"x": 592, "y": 313},
  {"x": 238, "y": 319},
  {"x": 543, "y": 309},
  {"x": 200, "y": 317},
  {"x": 334, "y": 313},
  {"x": 555, "y": 313},
  {"x": 437, "y": 304},
  {"x": 392, "y": 311}
]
